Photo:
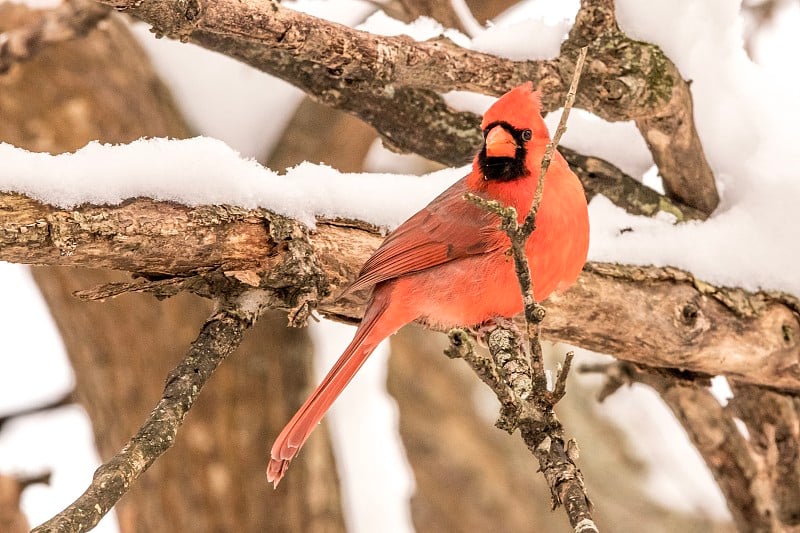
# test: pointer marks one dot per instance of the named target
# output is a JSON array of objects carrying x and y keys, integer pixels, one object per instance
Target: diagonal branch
[
  {"x": 218, "y": 338},
  {"x": 391, "y": 82},
  {"x": 523, "y": 382},
  {"x": 712, "y": 431}
]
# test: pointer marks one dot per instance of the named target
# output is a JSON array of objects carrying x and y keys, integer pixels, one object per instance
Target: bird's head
[{"x": 511, "y": 127}]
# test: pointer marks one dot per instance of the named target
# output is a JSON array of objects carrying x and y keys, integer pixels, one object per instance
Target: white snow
[
  {"x": 422, "y": 29},
  {"x": 220, "y": 96},
  {"x": 347, "y": 12},
  {"x": 206, "y": 171},
  {"x": 507, "y": 39},
  {"x": 505, "y": 36}
]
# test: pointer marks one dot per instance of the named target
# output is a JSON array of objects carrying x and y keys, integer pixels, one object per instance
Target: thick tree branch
[
  {"x": 218, "y": 338},
  {"x": 379, "y": 78},
  {"x": 601, "y": 177},
  {"x": 662, "y": 105},
  {"x": 664, "y": 317}
]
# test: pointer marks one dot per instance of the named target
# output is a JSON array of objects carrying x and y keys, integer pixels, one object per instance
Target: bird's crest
[{"x": 521, "y": 108}]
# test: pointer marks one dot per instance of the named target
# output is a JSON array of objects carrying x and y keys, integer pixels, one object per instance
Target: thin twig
[
  {"x": 218, "y": 338},
  {"x": 529, "y": 224},
  {"x": 66, "y": 399},
  {"x": 560, "y": 386}
]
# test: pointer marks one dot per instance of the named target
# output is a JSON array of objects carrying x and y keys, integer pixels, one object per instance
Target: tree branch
[
  {"x": 773, "y": 424},
  {"x": 377, "y": 78},
  {"x": 664, "y": 317},
  {"x": 66, "y": 399},
  {"x": 218, "y": 338}
]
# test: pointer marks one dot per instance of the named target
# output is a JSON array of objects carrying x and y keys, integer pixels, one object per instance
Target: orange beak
[{"x": 500, "y": 143}]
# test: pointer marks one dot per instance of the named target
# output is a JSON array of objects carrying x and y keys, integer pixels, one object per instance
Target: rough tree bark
[
  {"x": 102, "y": 87},
  {"x": 390, "y": 81},
  {"x": 664, "y": 316}
]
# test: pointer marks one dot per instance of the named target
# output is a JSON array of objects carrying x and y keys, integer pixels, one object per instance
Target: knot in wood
[
  {"x": 690, "y": 320},
  {"x": 689, "y": 314},
  {"x": 535, "y": 313}
]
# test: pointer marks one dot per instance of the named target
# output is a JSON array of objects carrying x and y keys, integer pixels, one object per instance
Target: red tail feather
[{"x": 299, "y": 428}]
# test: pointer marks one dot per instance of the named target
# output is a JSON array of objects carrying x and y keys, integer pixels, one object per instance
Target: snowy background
[{"x": 746, "y": 113}]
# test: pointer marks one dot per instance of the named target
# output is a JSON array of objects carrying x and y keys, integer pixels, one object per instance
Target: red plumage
[{"x": 447, "y": 264}]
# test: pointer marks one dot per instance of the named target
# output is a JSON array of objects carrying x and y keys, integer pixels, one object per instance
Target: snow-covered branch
[
  {"x": 392, "y": 82},
  {"x": 663, "y": 317}
]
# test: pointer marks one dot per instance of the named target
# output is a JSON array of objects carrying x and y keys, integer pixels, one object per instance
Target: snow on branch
[{"x": 392, "y": 82}]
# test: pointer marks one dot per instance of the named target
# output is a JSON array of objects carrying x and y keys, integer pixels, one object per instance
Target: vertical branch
[{"x": 218, "y": 338}]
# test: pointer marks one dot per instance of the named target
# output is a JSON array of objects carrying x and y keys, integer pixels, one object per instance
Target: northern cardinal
[{"x": 448, "y": 266}]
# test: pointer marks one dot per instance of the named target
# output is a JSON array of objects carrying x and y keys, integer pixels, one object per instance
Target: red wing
[{"x": 446, "y": 229}]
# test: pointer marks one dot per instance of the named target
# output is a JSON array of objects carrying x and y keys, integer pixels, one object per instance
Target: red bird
[{"x": 447, "y": 265}]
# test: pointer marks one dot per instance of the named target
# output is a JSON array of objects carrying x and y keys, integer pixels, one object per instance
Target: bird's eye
[{"x": 526, "y": 135}]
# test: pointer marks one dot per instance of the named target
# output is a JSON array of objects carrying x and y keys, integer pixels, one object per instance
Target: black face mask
[{"x": 505, "y": 168}]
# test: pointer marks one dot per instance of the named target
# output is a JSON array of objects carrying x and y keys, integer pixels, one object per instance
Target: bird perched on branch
[{"x": 448, "y": 264}]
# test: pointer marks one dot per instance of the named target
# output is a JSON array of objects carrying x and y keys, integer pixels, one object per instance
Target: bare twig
[
  {"x": 218, "y": 338},
  {"x": 529, "y": 224},
  {"x": 71, "y": 20},
  {"x": 560, "y": 386},
  {"x": 66, "y": 399}
]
